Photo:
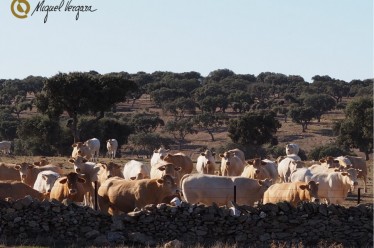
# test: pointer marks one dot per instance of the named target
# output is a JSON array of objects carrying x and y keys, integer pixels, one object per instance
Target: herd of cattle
[{"x": 123, "y": 188}]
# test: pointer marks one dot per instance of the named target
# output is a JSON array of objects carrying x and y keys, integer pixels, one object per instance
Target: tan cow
[
  {"x": 206, "y": 189},
  {"x": 292, "y": 192},
  {"x": 29, "y": 172},
  {"x": 119, "y": 195},
  {"x": 231, "y": 165},
  {"x": 260, "y": 169},
  {"x": 9, "y": 172},
  {"x": 180, "y": 160},
  {"x": 108, "y": 170},
  {"x": 90, "y": 170},
  {"x": 165, "y": 168},
  {"x": 286, "y": 166},
  {"x": 18, "y": 190},
  {"x": 81, "y": 149},
  {"x": 68, "y": 187}
]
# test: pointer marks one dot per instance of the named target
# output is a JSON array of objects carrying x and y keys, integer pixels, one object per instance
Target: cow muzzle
[{"x": 77, "y": 170}]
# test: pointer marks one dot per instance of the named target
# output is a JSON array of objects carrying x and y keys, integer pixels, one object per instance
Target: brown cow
[
  {"x": 292, "y": 193},
  {"x": 108, "y": 170},
  {"x": 68, "y": 187},
  {"x": 117, "y": 194},
  {"x": 9, "y": 172},
  {"x": 18, "y": 190},
  {"x": 29, "y": 172}
]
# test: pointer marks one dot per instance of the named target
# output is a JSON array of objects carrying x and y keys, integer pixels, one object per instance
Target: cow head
[
  {"x": 350, "y": 177},
  {"x": 108, "y": 170},
  {"x": 71, "y": 180},
  {"x": 265, "y": 184},
  {"x": 77, "y": 162},
  {"x": 168, "y": 185},
  {"x": 169, "y": 169},
  {"x": 292, "y": 149},
  {"x": 24, "y": 170},
  {"x": 329, "y": 162},
  {"x": 310, "y": 191},
  {"x": 49, "y": 181}
]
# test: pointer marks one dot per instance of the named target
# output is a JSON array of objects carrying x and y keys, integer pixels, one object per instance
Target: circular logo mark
[{"x": 20, "y": 8}]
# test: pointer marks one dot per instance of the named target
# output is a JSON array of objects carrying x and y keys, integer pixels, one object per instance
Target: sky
[{"x": 292, "y": 37}]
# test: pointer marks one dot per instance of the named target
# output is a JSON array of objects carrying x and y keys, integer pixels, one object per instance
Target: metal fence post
[
  {"x": 358, "y": 195},
  {"x": 235, "y": 193},
  {"x": 96, "y": 195}
]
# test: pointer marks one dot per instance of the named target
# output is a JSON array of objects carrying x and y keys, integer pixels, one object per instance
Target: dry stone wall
[{"x": 28, "y": 221}]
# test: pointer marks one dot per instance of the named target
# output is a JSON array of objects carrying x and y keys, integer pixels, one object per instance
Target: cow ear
[
  {"x": 261, "y": 182},
  {"x": 72, "y": 160},
  {"x": 103, "y": 165},
  {"x": 160, "y": 181},
  {"x": 30, "y": 166},
  {"x": 84, "y": 160},
  {"x": 345, "y": 174},
  {"x": 322, "y": 160},
  {"x": 74, "y": 145},
  {"x": 263, "y": 163},
  {"x": 44, "y": 177},
  {"x": 17, "y": 167},
  {"x": 117, "y": 166},
  {"x": 221, "y": 155},
  {"x": 202, "y": 154},
  {"x": 213, "y": 154},
  {"x": 132, "y": 178},
  {"x": 63, "y": 181},
  {"x": 250, "y": 162},
  {"x": 303, "y": 187},
  {"x": 37, "y": 163},
  {"x": 81, "y": 180}
]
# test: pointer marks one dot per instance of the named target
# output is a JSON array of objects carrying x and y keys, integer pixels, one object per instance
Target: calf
[
  {"x": 119, "y": 195},
  {"x": 68, "y": 187},
  {"x": 292, "y": 192}
]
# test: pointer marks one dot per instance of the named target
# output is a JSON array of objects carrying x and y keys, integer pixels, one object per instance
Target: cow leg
[{"x": 104, "y": 204}]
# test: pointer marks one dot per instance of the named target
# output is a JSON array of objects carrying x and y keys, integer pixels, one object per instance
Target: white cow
[
  {"x": 5, "y": 147},
  {"x": 94, "y": 147},
  {"x": 231, "y": 165},
  {"x": 286, "y": 166},
  {"x": 292, "y": 149},
  {"x": 135, "y": 170},
  {"x": 206, "y": 164},
  {"x": 158, "y": 155},
  {"x": 206, "y": 189},
  {"x": 334, "y": 186},
  {"x": 45, "y": 181},
  {"x": 112, "y": 146}
]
